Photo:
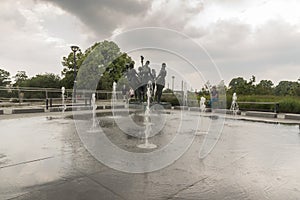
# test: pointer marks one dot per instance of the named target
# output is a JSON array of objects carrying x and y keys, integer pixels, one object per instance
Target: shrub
[
  {"x": 289, "y": 105},
  {"x": 170, "y": 98}
]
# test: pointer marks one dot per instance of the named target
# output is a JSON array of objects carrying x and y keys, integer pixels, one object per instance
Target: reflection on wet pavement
[{"x": 43, "y": 158}]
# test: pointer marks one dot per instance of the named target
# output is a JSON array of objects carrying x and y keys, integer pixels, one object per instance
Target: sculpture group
[{"x": 145, "y": 78}]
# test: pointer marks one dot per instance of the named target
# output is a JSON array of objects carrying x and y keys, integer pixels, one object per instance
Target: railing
[
  {"x": 35, "y": 95},
  {"x": 275, "y": 109}
]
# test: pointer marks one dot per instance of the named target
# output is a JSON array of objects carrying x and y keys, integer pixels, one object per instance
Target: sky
[{"x": 240, "y": 37}]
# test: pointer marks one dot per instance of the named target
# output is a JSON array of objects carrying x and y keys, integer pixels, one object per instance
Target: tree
[
  {"x": 238, "y": 85},
  {"x": 48, "y": 80},
  {"x": 264, "y": 87},
  {"x": 99, "y": 66},
  {"x": 114, "y": 71},
  {"x": 68, "y": 70},
  {"x": 241, "y": 86},
  {"x": 286, "y": 88},
  {"x": 20, "y": 77},
  {"x": 4, "y": 77}
]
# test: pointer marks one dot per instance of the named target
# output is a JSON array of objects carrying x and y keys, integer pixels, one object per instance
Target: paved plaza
[{"x": 42, "y": 157}]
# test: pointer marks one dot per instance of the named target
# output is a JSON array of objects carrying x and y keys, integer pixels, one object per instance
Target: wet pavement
[{"x": 42, "y": 157}]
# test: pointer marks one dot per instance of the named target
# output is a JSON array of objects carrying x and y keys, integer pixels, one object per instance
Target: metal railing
[{"x": 39, "y": 95}]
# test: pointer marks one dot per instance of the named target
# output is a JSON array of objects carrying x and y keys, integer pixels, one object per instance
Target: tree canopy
[
  {"x": 4, "y": 77},
  {"x": 47, "y": 80},
  {"x": 20, "y": 77},
  {"x": 264, "y": 87},
  {"x": 103, "y": 65},
  {"x": 98, "y": 66}
]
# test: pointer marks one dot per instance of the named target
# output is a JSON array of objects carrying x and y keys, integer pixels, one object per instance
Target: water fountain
[
  {"x": 64, "y": 107},
  {"x": 94, "y": 107},
  {"x": 114, "y": 94},
  {"x": 202, "y": 105},
  {"x": 202, "y": 111},
  {"x": 154, "y": 89},
  {"x": 234, "y": 105},
  {"x": 147, "y": 121},
  {"x": 185, "y": 95}
]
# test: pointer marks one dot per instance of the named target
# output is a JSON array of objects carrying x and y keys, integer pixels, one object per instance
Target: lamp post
[
  {"x": 173, "y": 77},
  {"x": 74, "y": 49}
]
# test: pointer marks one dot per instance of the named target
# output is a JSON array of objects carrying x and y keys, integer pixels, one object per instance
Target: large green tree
[
  {"x": 238, "y": 85},
  {"x": 242, "y": 86},
  {"x": 98, "y": 66}
]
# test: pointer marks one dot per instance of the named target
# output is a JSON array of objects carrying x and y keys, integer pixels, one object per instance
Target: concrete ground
[{"x": 42, "y": 157}]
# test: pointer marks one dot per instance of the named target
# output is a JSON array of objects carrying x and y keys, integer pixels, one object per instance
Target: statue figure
[
  {"x": 138, "y": 80},
  {"x": 160, "y": 81},
  {"x": 133, "y": 79}
]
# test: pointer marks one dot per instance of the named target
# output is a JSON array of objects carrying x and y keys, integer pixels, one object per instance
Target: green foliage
[
  {"x": 20, "y": 77},
  {"x": 114, "y": 71},
  {"x": 48, "y": 80},
  {"x": 289, "y": 105},
  {"x": 68, "y": 71},
  {"x": 4, "y": 77},
  {"x": 285, "y": 88},
  {"x": 170, "y": 98},
  {"x": 241, "y": 86},
  {"x": 98, "y": 66},
  {"x": 264, "y": 87}
]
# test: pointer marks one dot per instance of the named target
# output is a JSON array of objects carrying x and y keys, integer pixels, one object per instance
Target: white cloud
[
  {"x": 35, "y": 37},
  {"x": 243, "y": 37}
]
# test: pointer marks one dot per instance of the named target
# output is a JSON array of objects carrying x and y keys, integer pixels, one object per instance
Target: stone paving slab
[
  {"x": 79, "y": 189},
  {"x": 248, "y": 158}
]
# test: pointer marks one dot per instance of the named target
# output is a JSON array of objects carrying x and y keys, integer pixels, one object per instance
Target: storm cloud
[{"x": 104, "y": 16}]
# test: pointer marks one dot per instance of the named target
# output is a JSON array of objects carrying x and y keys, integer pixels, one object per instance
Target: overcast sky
[{"x": 243, "y": 37}]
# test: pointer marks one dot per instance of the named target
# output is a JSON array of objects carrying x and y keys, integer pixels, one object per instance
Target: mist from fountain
[
  {"x": 185, "y": 95},
  {"x": 202, "y": 105},
  {"x": 234, "y": 105},
  {"x": 64, "y": 107},
  {"x": 94, "y": 107},
  {"x": 202, "y": 111},
  {"x": 147, "y": 121}
]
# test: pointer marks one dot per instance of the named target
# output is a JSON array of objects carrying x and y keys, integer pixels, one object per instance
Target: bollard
[{"x": 50, "y": 102}]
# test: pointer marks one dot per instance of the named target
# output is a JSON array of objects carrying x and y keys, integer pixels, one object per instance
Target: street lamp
[
  {"x": 74, "y": 49},
  {"x": 173, "y": 77}
]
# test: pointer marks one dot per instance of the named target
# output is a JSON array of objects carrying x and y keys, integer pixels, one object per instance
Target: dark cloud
[
  {"x": 103, "y": 16},
  {"x": 172, "y": 14}
]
